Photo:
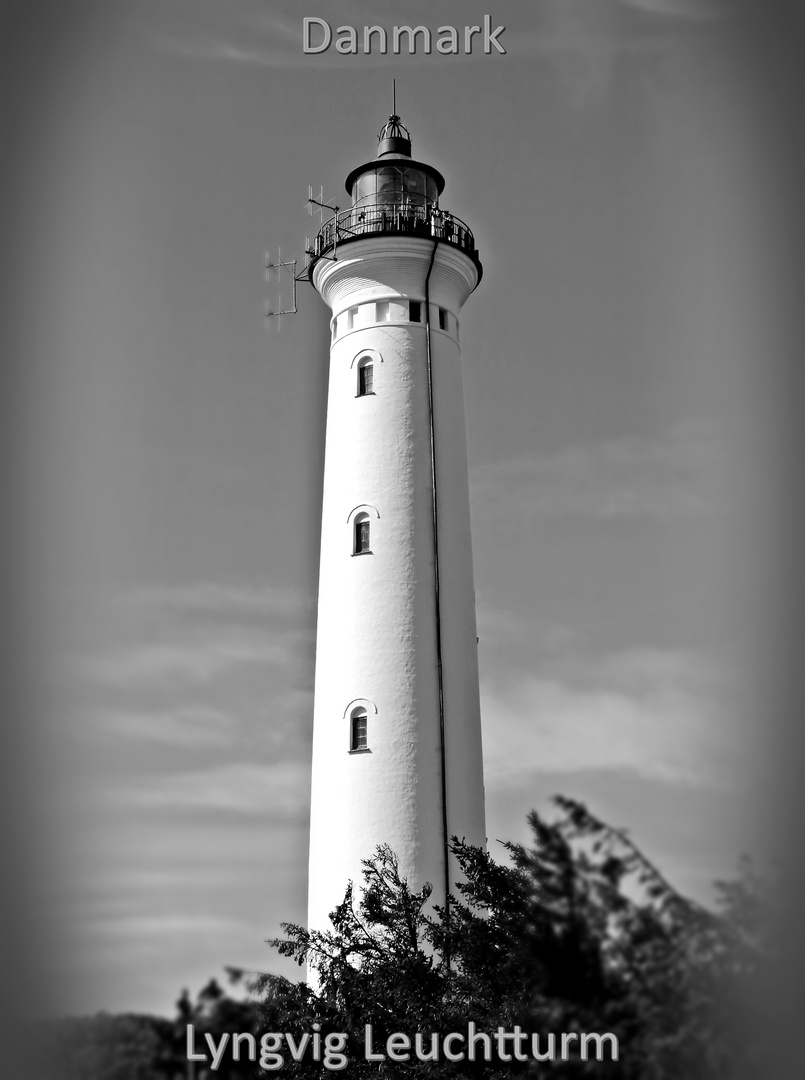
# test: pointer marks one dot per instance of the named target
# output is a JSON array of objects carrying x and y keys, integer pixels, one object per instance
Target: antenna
[
  {"x": 311, "y": 202},
  {"x": 290, "y": 268},
  {"x": 332, "y": 222},
  {"x": 394, "y": 97}
]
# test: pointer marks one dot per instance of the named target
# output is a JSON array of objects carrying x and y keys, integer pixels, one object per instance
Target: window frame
[
  {"x": 359, "y": 730},
  {"x": 362, "y": 540},
  {"x": 366, "y": 364}
]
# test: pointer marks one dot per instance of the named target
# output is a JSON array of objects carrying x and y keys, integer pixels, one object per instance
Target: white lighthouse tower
[{"x": 397, "y": 733}]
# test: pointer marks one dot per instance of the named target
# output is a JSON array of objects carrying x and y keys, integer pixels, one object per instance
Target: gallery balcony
[{"x": 393, "y": 219}]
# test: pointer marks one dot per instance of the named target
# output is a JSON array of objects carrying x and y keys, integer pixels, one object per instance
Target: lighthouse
[{"x": 397, "y": 733}]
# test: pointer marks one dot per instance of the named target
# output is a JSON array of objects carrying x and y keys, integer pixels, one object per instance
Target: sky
[{"x": 611, "y": 166}]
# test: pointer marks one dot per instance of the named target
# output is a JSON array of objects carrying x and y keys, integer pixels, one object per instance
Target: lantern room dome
[
  {"x": 394, "y": 138},
  {"x": 394, "y": 151}
]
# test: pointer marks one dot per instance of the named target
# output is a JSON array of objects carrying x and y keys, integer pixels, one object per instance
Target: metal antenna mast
[
  {"x": 279, "y": 266},
  {"x": 290, "y": 266}
]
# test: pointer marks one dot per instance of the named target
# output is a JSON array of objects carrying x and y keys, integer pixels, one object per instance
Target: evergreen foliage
[{"x": 578, "y": 932}]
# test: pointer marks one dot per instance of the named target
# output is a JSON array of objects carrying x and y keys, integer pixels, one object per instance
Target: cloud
[
  {"x": 695, "y": 10},
  {"x": 280, "y": 789},
  {"x": 197, "y": 661},
  {"x": 146, "y": 928},
  {"x": 684, "y": 474},
  {"x": 217, "y": 50},
  {"x": 216, "y": 599},
  {"x": 508, "y": 627},
  {"x": 586, "y": 42},
  {"x": 660, "y": 714},
  {"x": 190, "y": 726},
  {"x": 260, "y": 35},
  {"x": 191, "y": 635}
]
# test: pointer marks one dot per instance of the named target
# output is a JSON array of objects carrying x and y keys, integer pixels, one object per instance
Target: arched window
[
  {"x": 358, "y": 729},
  {"x": 361, "y": 538},
  {"x": 366, "y": 376}
]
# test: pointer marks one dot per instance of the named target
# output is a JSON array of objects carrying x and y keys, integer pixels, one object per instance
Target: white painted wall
[{"x": 376, "y": 637}]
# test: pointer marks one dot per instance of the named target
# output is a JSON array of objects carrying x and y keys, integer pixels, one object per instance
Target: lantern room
[{"x": 394, "y": 178}]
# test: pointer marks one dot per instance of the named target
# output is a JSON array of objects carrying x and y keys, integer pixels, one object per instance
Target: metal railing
[{"x": 400, "y": 218}]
